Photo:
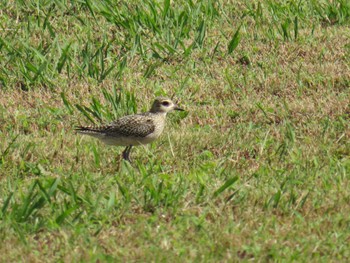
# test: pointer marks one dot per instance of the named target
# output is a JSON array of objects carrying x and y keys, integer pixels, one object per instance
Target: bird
[{"x": 133, "y": 130}]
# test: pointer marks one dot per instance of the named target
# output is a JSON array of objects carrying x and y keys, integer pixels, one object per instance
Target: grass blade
[
  {"x": 62, "y": 60},
  {"x": 296, "y": 26},
  {"x": 66, "y": 103},
  {"x": 234, "y": 41},
  {"x": 166, "y": 8},
  {"x": 6, "y": 204},
  {"x": 226, "y": 185},
  {"x": 84, "y": 112},
  {"x": 60, "y": 219},
  {"x": 6, "y": 151}
]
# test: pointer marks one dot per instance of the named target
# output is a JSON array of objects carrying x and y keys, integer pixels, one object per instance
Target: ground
[{"x": 256, "y": 168}]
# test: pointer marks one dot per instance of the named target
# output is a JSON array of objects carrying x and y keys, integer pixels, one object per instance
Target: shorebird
[{"x": 133, "y": 130}]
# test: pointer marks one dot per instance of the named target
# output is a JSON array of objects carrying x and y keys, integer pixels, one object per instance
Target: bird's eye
[{"x": 165, "y": 103}]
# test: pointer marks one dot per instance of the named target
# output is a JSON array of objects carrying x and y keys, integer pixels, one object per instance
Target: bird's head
[{"x": 162, "y": 104}]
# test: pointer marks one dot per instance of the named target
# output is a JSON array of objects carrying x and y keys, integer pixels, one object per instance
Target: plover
[{"x": 132, "y": 130}]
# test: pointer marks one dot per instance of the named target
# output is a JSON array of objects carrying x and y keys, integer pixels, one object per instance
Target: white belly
[{"x": 126, "y": 141}]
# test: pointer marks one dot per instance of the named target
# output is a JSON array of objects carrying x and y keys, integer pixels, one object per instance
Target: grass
[{"x": 257, "y": 168}]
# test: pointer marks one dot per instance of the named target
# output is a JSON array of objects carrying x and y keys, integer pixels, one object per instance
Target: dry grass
[{"x": 274, "y": 115}]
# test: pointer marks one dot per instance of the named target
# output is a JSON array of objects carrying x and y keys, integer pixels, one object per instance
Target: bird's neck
[{"x": 159, "y": 113}]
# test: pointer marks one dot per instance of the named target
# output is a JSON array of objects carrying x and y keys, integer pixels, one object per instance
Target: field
[{"x": 256, "y": 169}]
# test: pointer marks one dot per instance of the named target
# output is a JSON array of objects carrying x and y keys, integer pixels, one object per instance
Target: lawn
[{"x": 256, "y": 169}]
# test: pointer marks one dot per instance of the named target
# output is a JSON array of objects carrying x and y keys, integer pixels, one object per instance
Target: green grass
[{"x": 257, "y": 168}]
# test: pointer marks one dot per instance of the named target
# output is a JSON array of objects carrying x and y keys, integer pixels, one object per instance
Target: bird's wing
[{"x": 138, "y": 125}]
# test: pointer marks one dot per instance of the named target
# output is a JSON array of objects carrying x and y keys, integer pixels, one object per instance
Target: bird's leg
[{"x": 126, "y": 153}]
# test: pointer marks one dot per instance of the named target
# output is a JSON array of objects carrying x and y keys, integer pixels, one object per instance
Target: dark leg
[{"x": 126, "y": 153}]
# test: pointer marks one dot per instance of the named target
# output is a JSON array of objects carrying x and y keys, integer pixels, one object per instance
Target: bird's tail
[{"x": 90, "y": 130}]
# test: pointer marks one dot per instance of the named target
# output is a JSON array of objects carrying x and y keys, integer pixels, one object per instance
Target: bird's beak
[{"x": 178, "y": 108}]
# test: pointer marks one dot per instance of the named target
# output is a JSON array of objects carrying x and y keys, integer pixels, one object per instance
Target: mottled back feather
[{"x": 138, "y": 125}]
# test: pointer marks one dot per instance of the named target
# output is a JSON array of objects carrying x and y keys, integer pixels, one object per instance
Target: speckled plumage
[{"x": 135, "y": 129}]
